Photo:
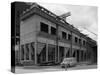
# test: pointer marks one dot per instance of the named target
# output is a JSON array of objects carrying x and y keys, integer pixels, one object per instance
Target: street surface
[{"x": 34, "y": 69}]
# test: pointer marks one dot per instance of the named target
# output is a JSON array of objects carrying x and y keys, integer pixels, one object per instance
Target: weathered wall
[{"x": 28, "y": 30}]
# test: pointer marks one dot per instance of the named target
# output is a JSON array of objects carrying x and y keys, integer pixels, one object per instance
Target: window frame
[
  {"x": 69, "y": 36},
  {"x": 84, "y": 42},
  {"x": 76, "y": 39},
  {"x": 53, "y": 32},
  {"x": 44, "y": 27},
  {"x": 80, "y": 40},
  {"x": 64, "y": 35}
]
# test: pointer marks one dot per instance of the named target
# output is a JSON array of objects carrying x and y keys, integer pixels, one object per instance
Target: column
[
  {"x": 82, "y": 55},
  {"x": 70, "y": 52},
  {"x": 47, "y": 52},
  {"x": 85, "y": 56},
  {"x": 24, "y": 52},
  {"x": 58, "y": 53},
  {"x": 20, "y": 54},
  {"x": 35, "y": 52},
  {"x": 29, "y": 51}
]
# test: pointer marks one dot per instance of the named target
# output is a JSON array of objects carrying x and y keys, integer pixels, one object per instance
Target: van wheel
[{"x": 68, "y": 65}]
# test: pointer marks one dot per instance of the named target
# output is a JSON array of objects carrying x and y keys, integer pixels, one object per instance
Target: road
[{"x": 35, "y": 69}]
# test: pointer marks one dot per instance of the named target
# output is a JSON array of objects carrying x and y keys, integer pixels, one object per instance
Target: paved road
[{"x": 35, "y": 69}]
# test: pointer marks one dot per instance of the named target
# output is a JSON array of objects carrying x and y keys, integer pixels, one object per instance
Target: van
[{"x": 68, "y": 62}]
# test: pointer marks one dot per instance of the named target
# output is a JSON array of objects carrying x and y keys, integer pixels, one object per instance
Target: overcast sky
[{"x": 82, "y": 17}]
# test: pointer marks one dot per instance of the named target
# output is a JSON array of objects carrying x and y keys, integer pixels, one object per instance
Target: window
[
  {"x": 53, "y": 31},
  {"x": 63, "y": 35},
  {"x": 44, "y": 27},
  {"x": 79, "y": 41},
  {"x": 76, "y": 39},
  {"x": 83, "y": 42},
  {"x": 69, "y": 36}
]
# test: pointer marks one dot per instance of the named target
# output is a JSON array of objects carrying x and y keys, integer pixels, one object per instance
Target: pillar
[
  {"x": 86, "y": 56},
  {"x": 24, "y": 52},
  {"x": 46, "y": 52},
  {"x": 83, "y": 56},
  {"x": 35, "y": 53},
  {"x": 55, "y": 53},
  {"x": 58, "y": 53},
  {"x": 20, "y": 54},
  {"x": 29, "y": 51}
]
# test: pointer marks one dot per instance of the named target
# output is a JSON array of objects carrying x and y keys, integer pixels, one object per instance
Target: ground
[{"x": 32, "y": 69}]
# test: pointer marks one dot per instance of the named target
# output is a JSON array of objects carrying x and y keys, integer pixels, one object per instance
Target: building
[{"x": 48, "y": 38}]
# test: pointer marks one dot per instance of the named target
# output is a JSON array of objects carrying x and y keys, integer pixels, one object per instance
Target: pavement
[{"x": 36, "y": 69}]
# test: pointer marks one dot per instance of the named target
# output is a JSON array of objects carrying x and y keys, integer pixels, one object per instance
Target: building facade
[{"x": 47, "y": 38}]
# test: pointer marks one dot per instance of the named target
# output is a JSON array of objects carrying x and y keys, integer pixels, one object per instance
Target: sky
[{"x": 82, "y": 17}]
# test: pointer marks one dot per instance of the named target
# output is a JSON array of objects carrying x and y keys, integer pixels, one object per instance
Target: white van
[{"x": 71, "y": 61}]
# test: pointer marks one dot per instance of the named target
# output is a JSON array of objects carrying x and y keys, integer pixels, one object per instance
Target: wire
[{"x": 90, "y": 31}]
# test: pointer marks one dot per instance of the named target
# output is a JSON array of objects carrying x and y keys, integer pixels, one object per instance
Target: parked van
[{"x": 68, "y": 62}]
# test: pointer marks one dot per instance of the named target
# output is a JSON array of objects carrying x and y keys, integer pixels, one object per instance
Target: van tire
[{"x": 68, "y": 65}]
